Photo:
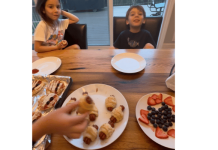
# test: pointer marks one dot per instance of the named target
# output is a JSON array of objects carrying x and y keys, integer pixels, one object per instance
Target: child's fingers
[
  {"x": 79, "y": 128},
  {"x": 74, "y": 135},
  {"x": 79, "y": 118},
  {"x": 69, "y": 107}
]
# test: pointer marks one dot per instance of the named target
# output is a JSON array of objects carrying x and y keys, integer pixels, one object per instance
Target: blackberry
[
  {"x": 149, "y": 118},
  {"x": 168, "y": 116},
  {"x": 165, "y": 128},
  {"x": 155, "y": 125},
  {"x": 152, "y": 121},
  {"x": 149, "y": 108},
  {"x": 166, "y": 106}
]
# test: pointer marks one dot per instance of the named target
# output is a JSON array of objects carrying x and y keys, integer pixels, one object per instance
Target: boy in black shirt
[{"x": 135, "y": 37}]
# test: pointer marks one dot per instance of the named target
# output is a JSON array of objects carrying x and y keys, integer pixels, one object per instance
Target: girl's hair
[
  {"x": 40, "y": 7},
  {"x": 140, "y": 8}
]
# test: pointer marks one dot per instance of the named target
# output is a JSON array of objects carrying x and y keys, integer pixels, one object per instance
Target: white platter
[
  {"x": 142, "y": 104},
  {"x": 46, "y": 65},
  {"x": 99, "y": 92}
]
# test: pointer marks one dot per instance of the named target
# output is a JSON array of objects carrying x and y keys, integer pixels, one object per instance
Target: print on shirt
[
  {"x": 132, "y": 43},
  {"x": 54, "y": 39}
]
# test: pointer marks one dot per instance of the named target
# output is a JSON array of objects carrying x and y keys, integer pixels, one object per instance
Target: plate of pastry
[
  {"x": 46, "y": 66},
  {"x": 109, "y": 114},
  {"x": 155, "y": 113},
  {"x": 128, "y": 62}
]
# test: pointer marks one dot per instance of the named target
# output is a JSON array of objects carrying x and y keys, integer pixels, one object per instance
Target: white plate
[
  {"x": 128, "y": 62},
  {"x": 99, "y": 92},
  {"x": 142, "y": 104},
  {"x": 46, "y": 65}
]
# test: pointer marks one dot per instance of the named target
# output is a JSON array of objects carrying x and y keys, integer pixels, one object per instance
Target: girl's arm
[
  {"x": 72, "y": 18},
  {"x": 40, "y": 48}
]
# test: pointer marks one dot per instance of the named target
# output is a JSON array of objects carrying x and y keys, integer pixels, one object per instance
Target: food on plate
[
  {"x": 36, "y": 115},
  {"x": 161, "y": 118},
  {"x": 85, "y": 104},
  {"x": 106, "y": 130},
  {"x": 34, "y": 71},
  {"x": 160, "y": 134},
  {"x": 93, "y": 113},
  {"x": 64, "y": 42},
  {"x": 173, "y": 108},
  {"x": 47, "y": 101},
  {"x": 72, "y": 100},
  {"x": 151, "y": 101},
  {"x": 37, "y": 85},
  {"x": 157, "y": 98},
  {"x": 169, "y": 101},
  {"x": 110, "y": 102},
  {"x": 90, "y": 134},
  {"x": 55, "y": 86},
  {"x": 117, "y": 114},
  {"x": 171, "y": 133}
]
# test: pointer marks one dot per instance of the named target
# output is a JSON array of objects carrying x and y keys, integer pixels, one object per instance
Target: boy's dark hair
[
  {"x": 40, "y": 7},
  {"x": 139, "y": 7}
]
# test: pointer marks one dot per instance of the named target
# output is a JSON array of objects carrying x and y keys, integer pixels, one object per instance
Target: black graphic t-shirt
[{"x": 129, "y": 40}]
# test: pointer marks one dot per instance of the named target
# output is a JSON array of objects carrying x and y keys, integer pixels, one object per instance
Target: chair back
[
  {"x": 152, "y": 24},
  {"x": 76, "y": 34}
]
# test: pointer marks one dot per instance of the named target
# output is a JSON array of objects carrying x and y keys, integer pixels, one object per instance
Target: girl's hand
[
  {"x": 62, "y": 122},
  {"x": 62, "y": 44}
]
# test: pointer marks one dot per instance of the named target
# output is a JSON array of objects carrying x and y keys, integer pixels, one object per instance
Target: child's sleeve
[
  {"x": 150, "y": 39},
  {"x": 39, "y": 34}
]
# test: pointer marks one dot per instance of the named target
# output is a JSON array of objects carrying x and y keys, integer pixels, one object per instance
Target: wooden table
[{"x": 94, "y": 66}]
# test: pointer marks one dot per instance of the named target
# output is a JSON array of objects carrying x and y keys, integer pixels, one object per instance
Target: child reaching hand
[
  {"x": 50, "y": 31},
  {"x": 135, "y": 37}
]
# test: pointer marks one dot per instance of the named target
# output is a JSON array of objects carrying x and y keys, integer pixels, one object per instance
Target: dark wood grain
[{"x": 93, "y": 66}]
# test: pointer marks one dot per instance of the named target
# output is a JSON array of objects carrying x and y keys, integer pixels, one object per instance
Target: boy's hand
[
  {"x": 61, "y": 122},
  {"x": 62, "y": 44},
  {"x": 148, "y": 46}
]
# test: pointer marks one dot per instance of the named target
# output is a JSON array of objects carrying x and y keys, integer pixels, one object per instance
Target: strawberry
[
  {"x": 145, "y": 112},
  {"x": 151, "y": 101},
  {"x": 174, "y": 108},
  {"x": 168, "y": 101},
  {"x": 171, "y": 133},
  {"x": 158, "y": 101},
  {"x": 144, "y": 119},
  {"x": 154, "y": 96},
  {"x": 160, "y": 96},
  {"x": 160, "y": 134}
]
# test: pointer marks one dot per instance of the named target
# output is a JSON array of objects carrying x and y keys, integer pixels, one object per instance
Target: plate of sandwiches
[{"x": 109, "y": 114}]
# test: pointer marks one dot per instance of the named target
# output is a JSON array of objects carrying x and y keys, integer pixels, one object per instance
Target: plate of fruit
[{"x": 155, "y": 113}]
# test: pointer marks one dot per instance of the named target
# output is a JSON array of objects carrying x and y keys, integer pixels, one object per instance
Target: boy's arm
[
  {"x": 150, "y": 40},
  {"x": 72, "y": 18}
]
